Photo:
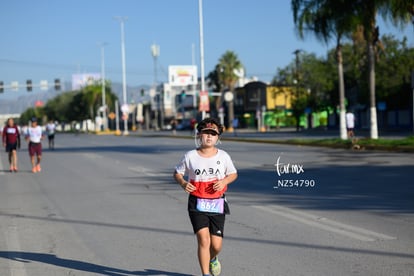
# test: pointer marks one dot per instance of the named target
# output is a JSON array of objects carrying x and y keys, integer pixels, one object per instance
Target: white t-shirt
[
  {"x": 350, "y": 120},
  {"x": 34, "y": 134},
  {"x": 203, "y": 172},
  {"x": 50, "y": 128}
]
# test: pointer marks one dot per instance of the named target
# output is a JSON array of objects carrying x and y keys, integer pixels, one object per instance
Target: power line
[{"x": 72, "y": 68}]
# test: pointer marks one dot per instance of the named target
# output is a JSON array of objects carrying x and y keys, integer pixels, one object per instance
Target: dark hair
[{"x": 203, "y": 124}]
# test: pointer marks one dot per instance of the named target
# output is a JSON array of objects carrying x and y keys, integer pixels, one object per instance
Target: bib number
[{"x": 210, "y": 205}]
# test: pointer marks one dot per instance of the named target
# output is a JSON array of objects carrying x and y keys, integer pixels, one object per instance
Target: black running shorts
[
  {"x": 11, "y": 147},
  {"x": 215, "y": 223}
]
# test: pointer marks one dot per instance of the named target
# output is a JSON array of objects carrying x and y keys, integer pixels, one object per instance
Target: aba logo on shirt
[{"x": 208, "y": 171}]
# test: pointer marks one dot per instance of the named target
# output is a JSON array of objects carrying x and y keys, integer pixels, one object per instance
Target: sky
[{"x": 49, "y": 39}]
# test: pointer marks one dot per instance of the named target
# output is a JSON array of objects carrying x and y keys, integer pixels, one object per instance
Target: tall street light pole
[
  {"x": 200, "y": 16},
  {"x": 155, "y": 52},
  {"x": 105, "y": 121},
  {"x": 121, "y": 19}
]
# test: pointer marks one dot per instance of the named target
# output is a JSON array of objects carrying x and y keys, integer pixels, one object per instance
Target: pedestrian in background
[
  {"x": 209, "y": 171},
  {"x": 235, "y": 124},
  {"x": 173, "y": 124},
  {"x": 50, "y": 130},
  {"x": 350, "y": 124},
  {"x": 11, "y": 142},
  {"x": 34, "y": 137}
]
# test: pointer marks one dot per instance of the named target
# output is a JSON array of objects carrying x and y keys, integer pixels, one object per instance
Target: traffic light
[
  {"x": 1, "y": 87},
  {"x": 29, "y": 85},
  {"x": 57, "y": 84}
]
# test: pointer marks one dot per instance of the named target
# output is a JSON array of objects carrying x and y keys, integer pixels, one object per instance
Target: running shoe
[
  {"x": 215, "y": 267},
  {"x": 38, "y": 168},
  {"x": 15, "y": 169},
  {"x": 34, "y": 170},
  {"x": 11, "y": 168}
]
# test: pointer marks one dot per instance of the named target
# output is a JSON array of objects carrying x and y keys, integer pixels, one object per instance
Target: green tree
[
  {"x": 394, "y": 73},
  {"x": 228, "y": 64},
  {"x": 327, "y": 19},
  {"x": 73, "y": 105},
  {"x": 399, "y": 12},
  {"x": 344, "y": 17},
  {"x": 89, "y": 100},
  {"x": 59, "y": 107},
  {"x": 28, "y": 114},
  {"x": 317, "y": 81},
  {"x": 213, "y": 82}
]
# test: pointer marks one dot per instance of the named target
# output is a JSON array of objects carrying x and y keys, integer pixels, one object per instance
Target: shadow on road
[
  {"x": 28, "y": 257},
  {"x": 368, "y": 187},
  {"x": 79, "y": 265}
]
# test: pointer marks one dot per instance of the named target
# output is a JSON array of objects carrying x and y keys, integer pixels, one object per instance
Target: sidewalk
[{"x": 395, "y": 141}]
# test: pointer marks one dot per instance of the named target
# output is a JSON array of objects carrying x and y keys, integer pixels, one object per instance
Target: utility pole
[
  {"x": 200, "y": 16},
  {"x": 155, "y": 52},
  {"x": 105, "y": 120},
  {"x": 121, "y": 19}
]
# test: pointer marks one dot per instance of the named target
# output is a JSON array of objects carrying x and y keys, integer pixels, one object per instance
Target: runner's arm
[
  {"x": 187, "y": 186},
  {"x": 219, "y": 185}
]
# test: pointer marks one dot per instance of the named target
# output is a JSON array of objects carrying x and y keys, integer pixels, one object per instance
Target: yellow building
[
  {"x": 255, "y": 95},
  {"x": 278, "y": 97}
]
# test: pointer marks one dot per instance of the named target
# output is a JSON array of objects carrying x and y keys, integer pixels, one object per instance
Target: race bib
[{"x": 210, "y": 205}]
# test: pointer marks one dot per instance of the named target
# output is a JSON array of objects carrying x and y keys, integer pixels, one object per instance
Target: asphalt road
[{"x": 107, "y": 205}]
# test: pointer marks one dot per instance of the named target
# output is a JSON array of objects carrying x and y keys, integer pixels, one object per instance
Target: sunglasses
[{"x": 211, "y": 132}]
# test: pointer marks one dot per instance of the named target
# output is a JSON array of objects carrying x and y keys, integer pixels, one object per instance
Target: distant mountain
[{"x": 21, "y": 103}]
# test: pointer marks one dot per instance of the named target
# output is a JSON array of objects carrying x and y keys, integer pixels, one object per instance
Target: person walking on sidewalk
[
  {"x": 209, "y": 171},
  {"x": 35, "y": 136},
  {"x": 350, "y": 124},
  {"x": 11, "y": 142}
]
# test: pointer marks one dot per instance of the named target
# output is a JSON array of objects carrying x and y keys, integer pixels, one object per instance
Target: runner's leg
[
  {"x": 203, "y": 239},
  {"x": 14, "y": 160},
  {"x": 10, "y": 154},
  {"x": 215, "y": 246}
]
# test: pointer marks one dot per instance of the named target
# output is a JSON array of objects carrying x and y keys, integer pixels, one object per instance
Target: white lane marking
[
  {"x": 325, "y": 224},
  {"x": 13, "y": 244}
]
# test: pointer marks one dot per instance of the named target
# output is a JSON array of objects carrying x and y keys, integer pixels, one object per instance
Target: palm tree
[
  {"x": 400, "y": 12},
  {"x": 343, "y": 17},
  {"x": 229, "y": 63},
  {"x": 327, "y": 19},
  {"x": 92, "y": 97},
  {"x": 213, "y": 82}
]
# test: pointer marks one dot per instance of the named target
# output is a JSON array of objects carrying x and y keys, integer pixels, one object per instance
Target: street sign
[
  {"x": 43, "y": 85},
  {"x": 228, "y": 96},
  {"x": 204, "y": 101},
  {"x": 15, "y": 85}
]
